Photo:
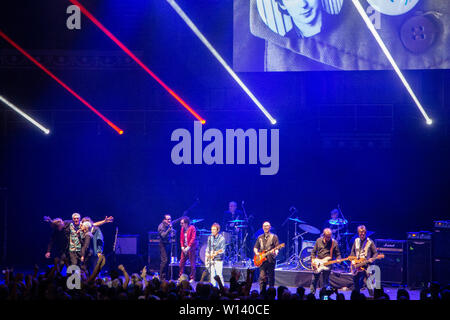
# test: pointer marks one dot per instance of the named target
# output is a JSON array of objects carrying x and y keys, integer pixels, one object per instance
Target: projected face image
[{"x": 302, "y": 11}]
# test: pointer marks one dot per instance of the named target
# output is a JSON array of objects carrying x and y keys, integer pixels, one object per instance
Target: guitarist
[
  {"x": 363, "y": 247},
  {"x": 266, "y": 241},
  {"x": 214, "y": 253},
  {"x": 324, "y": 247}
]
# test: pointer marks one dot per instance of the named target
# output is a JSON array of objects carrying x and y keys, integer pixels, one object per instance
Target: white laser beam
[
  {"x": 388, "y": 55},
  {"x": 23, "y": 114},
  {"x": 203, "y": 39}
]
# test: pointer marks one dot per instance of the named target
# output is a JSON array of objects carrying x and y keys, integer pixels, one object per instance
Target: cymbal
[
  {"x": 203, "y": 230},
  {"x": 310, "y": 229},
  {"x": 236, "y": 221},
  {"x": 347, "y": 234},
  {"x": 297, "y": 220},
  {"x": 196, "y": 220},
  {"x": 241, "y": 226},
  {"x": 337, "y": 222}
]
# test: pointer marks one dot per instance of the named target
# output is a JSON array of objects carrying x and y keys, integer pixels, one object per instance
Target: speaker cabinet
[
  {"x": 441, "y": 243},
  {"x": 127, "y": 244},
  {"x": 441, "y": 271},
  {"x": 418, "y": 263},
  {"x": 393, "y": 266}
]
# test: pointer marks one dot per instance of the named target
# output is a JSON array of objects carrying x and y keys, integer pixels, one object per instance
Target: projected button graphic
[
  {"x": 419, "y": 33},
  {"x": 393, "y": 7}
]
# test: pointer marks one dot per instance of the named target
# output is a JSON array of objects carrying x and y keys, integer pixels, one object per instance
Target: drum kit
[{"x": 301, "y": 228}]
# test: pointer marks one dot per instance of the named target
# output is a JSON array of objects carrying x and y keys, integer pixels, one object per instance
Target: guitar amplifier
[
  {"x": 127, "y": 244},
  {"x": 154, "y": 255},
  {"x": 419, "y": 263},
  {"x": 393, "y": 266}
]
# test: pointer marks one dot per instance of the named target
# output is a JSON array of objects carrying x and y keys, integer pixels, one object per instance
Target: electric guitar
[
  {"x": 259, "y": 258},
  {"x": 320, "y": 265},
  {"x": 210, "y": 258},
  {"x": 359, "y": 265}
]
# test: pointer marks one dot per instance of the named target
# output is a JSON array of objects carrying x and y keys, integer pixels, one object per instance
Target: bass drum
[
  {"x": 202, "y": 252},
  {"x": 305, "y": 254}
]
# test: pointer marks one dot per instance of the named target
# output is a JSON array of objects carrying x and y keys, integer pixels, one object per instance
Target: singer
[{"x": 166, "y": 234}]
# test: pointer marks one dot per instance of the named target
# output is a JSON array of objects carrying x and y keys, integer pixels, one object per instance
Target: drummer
[
  {"x": 335, "y": 224},
  {"x": 232, "y": 214}
]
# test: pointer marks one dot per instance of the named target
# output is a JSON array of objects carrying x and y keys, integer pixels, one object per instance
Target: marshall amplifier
[{"x": 393, "y": 266}]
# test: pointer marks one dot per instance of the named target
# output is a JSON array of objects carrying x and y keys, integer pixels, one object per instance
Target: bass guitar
[
  {"x": 259, "y": 258},
  {"x": 359, "y": 265}
]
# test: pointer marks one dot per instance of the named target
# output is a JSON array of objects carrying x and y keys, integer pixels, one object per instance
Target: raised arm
[
  {"x": 102, "y": 222},
  {"x": 98, "y": 268},
  {"x": 125, "y": 274},
  {"x": 144, "y": 276}
]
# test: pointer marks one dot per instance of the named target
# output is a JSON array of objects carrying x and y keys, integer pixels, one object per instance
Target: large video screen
[{"x": 306, "y": 35}]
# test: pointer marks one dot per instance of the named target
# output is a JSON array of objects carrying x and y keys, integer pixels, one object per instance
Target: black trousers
[
  {"x": 164, "y": 249},
  {"x": 358, "y": 280},
  {"x": 316, "y": 277},
  {"x": 267, "y": 274},
  {"x": 75, "y": 258}
]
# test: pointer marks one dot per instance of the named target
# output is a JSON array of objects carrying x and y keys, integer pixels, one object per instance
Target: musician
[
  {"x": 188, "y": 242},
  {"x": 85, "y": 238},
  {"x": 166, "y": 234},
  {"x": 232, "y": 214},
  {"x": 214, "y": 253},
  {"x": 334, "y": 214},
  {"x": 96, "y": 246},
  {"x": 324, "y": 247},
  {"x": 266, "y": 241},
  {"x": 57, "y": 243},
  {"x": 363, "y": 247}
]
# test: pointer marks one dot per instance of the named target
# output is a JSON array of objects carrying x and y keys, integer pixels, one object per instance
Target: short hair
[
  {"x": 167, "y": 215},
  {"x": 87, "y": 224},
  {"x": 215, "y": 224},
  {"x": 87, "y": 219},
  {"x": 186, "y": 220},
  {"x": 76, "y": 215},
  {"x": 334, "y": 211},
  {"x": 232, "y": 202},
  {"x": 328, "y": 230},
  {"x": 362, "y": 227},
  {"x": 266, "y": 222}
]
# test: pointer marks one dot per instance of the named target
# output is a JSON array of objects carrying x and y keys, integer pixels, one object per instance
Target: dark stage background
[{"x": 349, "y": 138}]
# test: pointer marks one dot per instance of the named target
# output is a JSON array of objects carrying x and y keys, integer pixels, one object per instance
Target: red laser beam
[
  {"x": 138, "y": 61},
  {"x": 65, "y": 86}
]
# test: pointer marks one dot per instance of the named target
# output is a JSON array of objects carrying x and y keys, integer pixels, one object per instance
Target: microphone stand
[
  {"x": 172, "y": 242},
  {"x": 347, "y": 247},
  {"x": 244, "y": 247}
]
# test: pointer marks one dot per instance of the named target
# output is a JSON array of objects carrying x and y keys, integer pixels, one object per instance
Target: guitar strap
[{"x": 332, "y": 248}]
